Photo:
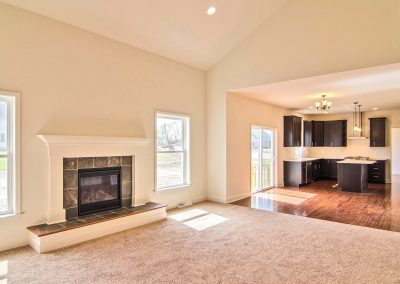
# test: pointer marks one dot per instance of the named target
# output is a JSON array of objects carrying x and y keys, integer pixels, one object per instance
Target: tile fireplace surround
[
  {"x": 71, "y": 166},
  {"x": 66, "y": 154}
]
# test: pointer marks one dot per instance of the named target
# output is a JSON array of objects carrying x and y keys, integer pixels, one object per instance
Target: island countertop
[{"x": 361, "y": 162}]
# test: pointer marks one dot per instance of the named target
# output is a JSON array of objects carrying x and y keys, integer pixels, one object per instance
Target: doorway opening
[{"x": 263, "y": 152}]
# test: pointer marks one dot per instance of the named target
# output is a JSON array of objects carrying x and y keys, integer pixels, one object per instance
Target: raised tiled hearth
[
  {"x": 71, "y": 166},
  {"x": 81, "y": 221},
  {"x": 44, "y": 238}
]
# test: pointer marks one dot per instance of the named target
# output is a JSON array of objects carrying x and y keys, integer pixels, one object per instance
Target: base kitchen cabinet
[
  {"x": 317, "y": 170},
  {"x": 330, "y": 169},
  {"x": 377, "y": 172},
  {"x": 298, "y": 173}
]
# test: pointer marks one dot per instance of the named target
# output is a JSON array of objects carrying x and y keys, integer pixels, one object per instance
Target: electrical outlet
[{"x": 184, "y": 203}]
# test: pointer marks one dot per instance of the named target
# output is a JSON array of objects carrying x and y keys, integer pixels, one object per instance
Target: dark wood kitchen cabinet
[
  {"x": 317, "y": 170},
  {"x": 377, "y": 172},
  {"x": 297, "y": 173},
  {"x": 335, "y": 133},
  {"x": 313, "y": 133},
  {"x": 329, "y": 169},
  {"x": 292, "y": 131},
  {"x": 377, "y": 132}
]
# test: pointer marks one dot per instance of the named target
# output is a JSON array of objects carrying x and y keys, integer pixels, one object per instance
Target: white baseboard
[
  {"x": 217, "y": 199},
  {"x": 238, "y": 197},
  {"x": 74, "y": 236}
]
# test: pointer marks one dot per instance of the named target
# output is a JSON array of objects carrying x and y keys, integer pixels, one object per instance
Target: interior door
[{"x": 262, "y": 158}]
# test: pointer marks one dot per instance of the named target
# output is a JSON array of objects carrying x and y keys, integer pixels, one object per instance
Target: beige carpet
[{"x": 229, "y": 244}]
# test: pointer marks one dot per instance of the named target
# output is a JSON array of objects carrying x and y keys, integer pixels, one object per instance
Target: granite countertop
[{"x": 361, "y": 162}]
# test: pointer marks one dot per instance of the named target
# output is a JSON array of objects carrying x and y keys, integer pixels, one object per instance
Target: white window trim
[
  {"x": 14, "y": 154},
  {"x": 187, "y": 134}
]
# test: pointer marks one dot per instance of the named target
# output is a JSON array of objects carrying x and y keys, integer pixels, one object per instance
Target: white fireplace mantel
[{"x": 63, "y": 146}]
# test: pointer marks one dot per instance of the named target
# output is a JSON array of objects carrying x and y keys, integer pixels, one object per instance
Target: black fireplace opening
[{"x": 99, "y": 189}]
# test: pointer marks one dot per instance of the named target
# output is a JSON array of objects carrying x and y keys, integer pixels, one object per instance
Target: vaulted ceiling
[{"x": 177, "y": 29}]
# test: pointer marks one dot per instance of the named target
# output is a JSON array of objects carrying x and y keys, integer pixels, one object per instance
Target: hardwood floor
[{"x": 378, "y": 208}]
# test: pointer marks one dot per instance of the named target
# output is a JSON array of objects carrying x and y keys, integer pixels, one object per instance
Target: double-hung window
[
  {"x": 172, "y": 151},
  {"x": 8, "y": 188}
]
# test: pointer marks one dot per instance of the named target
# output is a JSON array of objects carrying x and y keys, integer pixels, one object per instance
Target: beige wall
[
  {"x": 303, "y": 38},
  {"x": 242, "y": 113},
  {"x": 77, "y": 83}
]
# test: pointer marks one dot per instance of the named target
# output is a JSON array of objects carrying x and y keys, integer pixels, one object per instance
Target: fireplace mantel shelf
[{"x": 63, "y": 139}]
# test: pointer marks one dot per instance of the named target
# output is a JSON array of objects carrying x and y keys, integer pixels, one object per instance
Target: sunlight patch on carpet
[
  {"x": 3, "y": 271},
  {"x": 204, "y": 222},
  {"x": 186, "y": 215}
]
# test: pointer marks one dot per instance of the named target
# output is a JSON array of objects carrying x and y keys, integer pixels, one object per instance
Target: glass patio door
[{"x": 262, "y": 158}]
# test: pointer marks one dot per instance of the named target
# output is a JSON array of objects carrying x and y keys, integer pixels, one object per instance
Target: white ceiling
[
  {"x": 177, "y": 29},
  {"x": 377, "y": 87}
]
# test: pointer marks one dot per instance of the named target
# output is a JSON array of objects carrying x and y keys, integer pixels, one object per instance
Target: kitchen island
[{"x": 353, "y": 175}]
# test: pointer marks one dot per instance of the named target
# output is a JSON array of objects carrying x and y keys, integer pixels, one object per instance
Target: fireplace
[{"x": 99, "y": 189}]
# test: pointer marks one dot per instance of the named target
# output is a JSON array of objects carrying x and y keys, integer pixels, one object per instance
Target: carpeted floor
[{"x": 246, "y": 246}]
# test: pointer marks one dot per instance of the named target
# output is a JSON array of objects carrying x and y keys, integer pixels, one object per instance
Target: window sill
[
  {"x": 173, "y": 187},
  {"x": 5, "y": 216}
]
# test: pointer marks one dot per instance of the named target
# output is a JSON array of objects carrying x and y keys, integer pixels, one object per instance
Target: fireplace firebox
[{"x": 99, "y": 189}]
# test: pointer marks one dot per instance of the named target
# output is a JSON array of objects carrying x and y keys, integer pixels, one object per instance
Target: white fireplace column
[{"x": 60, "y": 147}]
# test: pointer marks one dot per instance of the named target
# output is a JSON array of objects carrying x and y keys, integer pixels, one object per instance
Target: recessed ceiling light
[
  {"x": 211, "y": 10},
  {"x": 375, "y": 108},
  {"x": 310, "y": 107}
]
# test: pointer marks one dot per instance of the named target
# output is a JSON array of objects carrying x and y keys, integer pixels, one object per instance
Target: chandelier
[{"x": 323, "y": 105}]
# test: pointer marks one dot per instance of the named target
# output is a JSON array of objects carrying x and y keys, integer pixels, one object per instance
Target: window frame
[
  {"x": 13, "y": 150},
  {"x": 185, "y": 151}
]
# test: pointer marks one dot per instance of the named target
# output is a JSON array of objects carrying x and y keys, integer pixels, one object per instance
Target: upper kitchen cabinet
[
  {"x": 313, "y": 134},
  {"x": 335, "y": 133},
  {"x": 377, "y": 132},
  {"x": 292, "y": 131}
]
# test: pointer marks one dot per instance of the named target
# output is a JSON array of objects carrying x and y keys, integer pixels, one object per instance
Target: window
[
  {"x": 172, "y": 151},
  {"x": 8, "y": 124}
]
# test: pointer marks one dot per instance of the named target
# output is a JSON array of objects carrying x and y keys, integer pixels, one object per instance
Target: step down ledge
[{"x": 51, "y": 242}]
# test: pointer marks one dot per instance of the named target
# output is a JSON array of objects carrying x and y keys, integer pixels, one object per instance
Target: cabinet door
[
  {"x": 308, "y": 134},
  {"x": 333, "y": 169},
  {"x": 377, "y": 132},
  {"x": 318, "y": 133},
  {"x": 288, "y": 131},
  {"x": 303, "y": 173},
  {"x": 316, "y": 165},
  {"x": 309, "y": 172},
  {"x": 297, "y": 131},
  {"x": 337, "y": 133},
  {"x": 326, "y": 168},
  {"x": 328, "y": 133},
  {"x": 292, "y": 131}
]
